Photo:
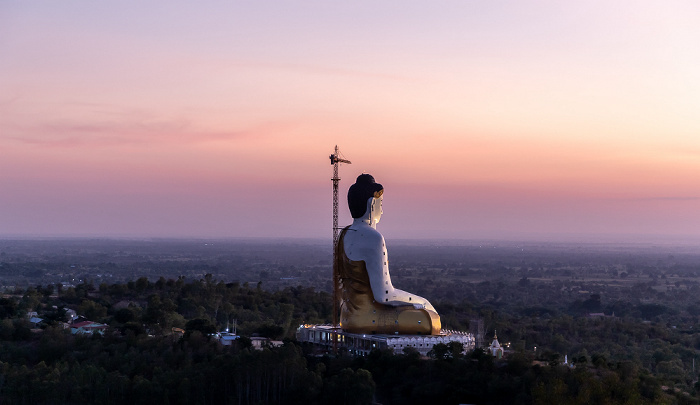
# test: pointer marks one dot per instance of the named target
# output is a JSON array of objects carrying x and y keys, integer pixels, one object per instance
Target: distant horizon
[{"x": 612, "y": 239}]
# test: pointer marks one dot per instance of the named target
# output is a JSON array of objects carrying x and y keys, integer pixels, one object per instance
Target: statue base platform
[{"x": 321, "y": 336}]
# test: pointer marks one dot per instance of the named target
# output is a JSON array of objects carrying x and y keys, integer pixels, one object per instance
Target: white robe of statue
[{"x": 363, "y": 242}]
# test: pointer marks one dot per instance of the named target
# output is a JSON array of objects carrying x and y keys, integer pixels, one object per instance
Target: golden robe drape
[{"x": 359, "y": 311}]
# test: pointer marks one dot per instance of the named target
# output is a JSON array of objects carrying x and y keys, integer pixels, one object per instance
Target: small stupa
[{"x": 495, "y": 347}]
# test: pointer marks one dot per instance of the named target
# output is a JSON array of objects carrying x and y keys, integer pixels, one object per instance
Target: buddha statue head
[{"x": 365, "y": 199}]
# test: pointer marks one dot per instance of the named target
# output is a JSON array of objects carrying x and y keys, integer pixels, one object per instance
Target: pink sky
[{"x": 522, "y": 119}]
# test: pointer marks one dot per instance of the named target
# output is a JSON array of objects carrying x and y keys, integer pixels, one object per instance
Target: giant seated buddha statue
[{"x": 369, "y": 303}]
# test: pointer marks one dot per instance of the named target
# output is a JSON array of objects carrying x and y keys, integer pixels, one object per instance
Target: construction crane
[{"x": 335, "y": 161}]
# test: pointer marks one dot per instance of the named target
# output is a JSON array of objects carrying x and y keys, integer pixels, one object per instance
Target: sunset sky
[{"x": 536, "y": 120}]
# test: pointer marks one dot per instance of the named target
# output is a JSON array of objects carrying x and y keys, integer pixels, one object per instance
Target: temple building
[
  {"x": 321, "y": 336},
  {"x": 495, "y": 348}
]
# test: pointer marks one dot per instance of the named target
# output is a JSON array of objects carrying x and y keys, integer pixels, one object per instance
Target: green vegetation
[
  {"x": 140, "y": 360},
  {"x": 641, "y": 345}
]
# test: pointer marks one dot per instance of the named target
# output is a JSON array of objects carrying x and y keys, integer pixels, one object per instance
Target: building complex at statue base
[{"x": 321, "y": 336}]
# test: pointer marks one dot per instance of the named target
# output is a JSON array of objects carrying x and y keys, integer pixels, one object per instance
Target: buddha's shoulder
[{"x": 365, "y": 235}]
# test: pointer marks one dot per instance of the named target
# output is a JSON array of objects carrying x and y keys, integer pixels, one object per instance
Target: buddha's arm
[{"x": 373, "y": 252}]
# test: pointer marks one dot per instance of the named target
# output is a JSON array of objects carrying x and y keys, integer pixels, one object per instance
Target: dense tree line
[
  {"x": 60, "y": 368},
  {"x": 139, "y": 360},
  {"x": 165, "y": 304}
]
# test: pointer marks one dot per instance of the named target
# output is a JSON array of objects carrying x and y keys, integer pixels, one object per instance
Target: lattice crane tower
[{"x": 335, "y": 161}]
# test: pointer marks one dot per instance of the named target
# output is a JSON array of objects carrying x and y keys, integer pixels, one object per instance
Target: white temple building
[
  {"x": 495, "y": 348},
  {"x": 361, "y": 344}
]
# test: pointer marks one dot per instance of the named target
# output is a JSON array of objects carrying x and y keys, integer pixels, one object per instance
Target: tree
[
  {"x": 202, "y": 325},
  {"x": 350, "y": 387},
  {"x": 440, "y": 351}
]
